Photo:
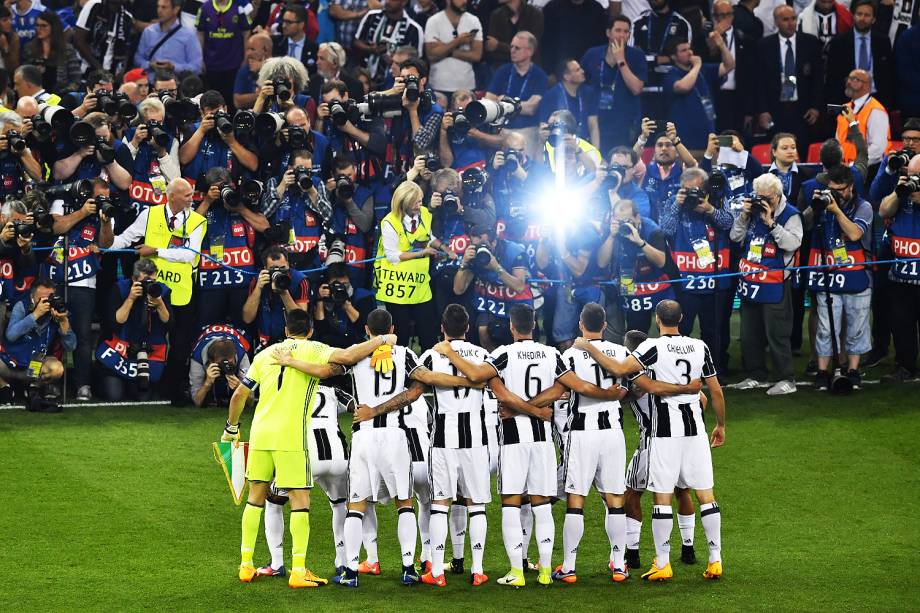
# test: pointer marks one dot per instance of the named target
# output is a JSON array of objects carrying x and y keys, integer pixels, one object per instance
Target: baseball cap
[{"x": 135, "y": 74}]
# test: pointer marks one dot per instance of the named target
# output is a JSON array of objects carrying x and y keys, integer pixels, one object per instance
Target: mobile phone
[
  {"x": 726, "y": 140},
  {"x": 834, "y": 109},
  {"x": 474, "y": 31}
]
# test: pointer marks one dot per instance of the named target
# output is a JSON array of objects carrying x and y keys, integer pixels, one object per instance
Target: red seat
[
  {"x": 814, "y": 153},
  {"x": 761, "y": 153},
  {"x": 648, "y": 154}
]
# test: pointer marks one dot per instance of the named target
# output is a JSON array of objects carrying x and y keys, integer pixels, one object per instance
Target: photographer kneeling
[
  {"x": 842, "y": 239},
  {"x": 136, "y": 353},
  {"x": 288, "y": 290},
  {"x": 341, "y": 309},
  {"x": 36, "y": 326},
  {"x": 219, "y": 360},
  {"x": 499, "y": 269}
]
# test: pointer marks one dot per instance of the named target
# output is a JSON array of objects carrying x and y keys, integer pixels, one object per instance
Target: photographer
[
  {"x": 136, "y": 353},
  {"x": 103, "y": 156},
  {"x": 510, "y": 170},
  {"x": 96, "y": 80},
  {"x": 363, "y": 137},
  {"x": 39, "y": 326},
  {"x": 281, "y": 79},
  {"x": 418, "y": 127},
  {"x": 662, "y": 176},
  {"x": 636, "y": 254},
  {"x": 731, "y": 167},
  {"x": 842, "y": 239},
  {"x": 219, "y": 360},
  {"x": 227, "y": 248},
  {"x": 901, "y": 210},
  {"x": 277, "y": 290},
  {"x": 498, "y": 271},
  {"x": 155, "y": 150},
  {"x": 17, "y": 259},
  {"x": 617, "y": 181},
  {"x": 352, "y": 215},
  {"x": 557, "y": 137},
  {"x": 341, "y": 309},
  {"x": 769, "y": 232},
  {"x": 16, "y": 159},
  {"x": 894, "y": 164},
  {"x": 212, "y": 141},
  {"x": 296, "y": 134},
  {"x": 460, "y": 144},
  {"x": 698, "y": 230},
  {"x": 84, "y": 229}
]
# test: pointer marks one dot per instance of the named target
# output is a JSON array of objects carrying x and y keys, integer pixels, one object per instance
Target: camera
[
  {"x": 303, "y": 176},
  {"x": 759, "y": 205},
  {"x": 143, "y": 366},
  {"x": 381, "y": 105},
  {"x": 344, "y": 188},
  {"x": 693, "y": 197},
  {"x": 105, "y": 206},
  {"x": 15, "y": 140},
  {"x": 296, "y": 137},
  {"x": 338, "y": 293},
  {"x": 341, "y": 111},
  {"x": 179, "y": 109},
  {"x": 432, "y": 162},
  {"x": 513, "y": 160},
  {"x": 75, "y": 191},
  {"x": 482, "y": 258},
  {"x": 23, "y": 229},
  {"x": 614, "y": 179},
  {"x": 58, "y": 117},
  {"x": 57, "y": 303},
  {"x": 282, "y": 89},
  {"x": 226, "y": 367},
  {"x": 820, "y": 200},
  {"x": 450, "y": 203},
  {"x": 268, "y": 124},
  {"x": 625, "y": 229},
  {"x": 912, "y": 185},
  {"x": 717, "y": 184},
  {"x": 115, "y": 103},
  {"x": 492, "y": 111},
  {"x": 41, "y": 128},
  {"x": 105, "y": 153},
  {"x": 151, "y": 288},
  {"x": 899, "y": 159},
  {"x": 248, "y": 193},
  {"x": 82, "y": 134},
  {"x": 156, "y": 133},
  {"x": 336, "y": 251},
  {"x": 244, "y": 121},
  {"x": 280, "y": 278},
  {"x": 222, "y": 122},
  {"x": 412, "y": 88},
  {"x": 461, "y": 125},
  {"x": 558, "y": 130},
  {"x": 41, "y": 215}
]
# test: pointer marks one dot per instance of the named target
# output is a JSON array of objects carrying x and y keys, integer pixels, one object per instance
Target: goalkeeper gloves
[
  {"x": 382, "y": 359},
  {"x": 231, "y": 433}
]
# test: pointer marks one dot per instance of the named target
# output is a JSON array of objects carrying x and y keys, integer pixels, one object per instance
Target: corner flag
[{"x": 232, "y": 459}]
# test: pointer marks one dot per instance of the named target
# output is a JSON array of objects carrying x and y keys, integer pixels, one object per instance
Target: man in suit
[
  {"x": 330, "y": 62},
  {"x": 733, "y": 103},
  {"x": 293, "y": 40},
  {"x": 789, "y": 71},
  {"x": 746, "y": 21},
  {"x": 864, "y": 49}
]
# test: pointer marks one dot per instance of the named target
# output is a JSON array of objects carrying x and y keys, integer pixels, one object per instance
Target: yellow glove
[{"x": 382, "y": 359}]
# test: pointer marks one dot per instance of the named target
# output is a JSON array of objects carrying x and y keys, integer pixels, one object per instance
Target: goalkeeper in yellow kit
[{"x": 280, "y": 428}]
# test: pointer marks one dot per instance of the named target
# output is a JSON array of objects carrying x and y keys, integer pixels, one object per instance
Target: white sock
[
  {"x": 687, "y": 525},
  {"x": 526, "y": 527},
  {"x": 544, "y": 530},
  {"x": 477, "y": 537},
  {"x": 369, "y": 532},
  {"x": 438, "y": 532},
  {"x": 424, "y": 516},
  {"x": 633, "y": 533},
  {"x": 513, "y": 536},
  {"x": 338, "y": 530},
  {"x": 407, "y": 533},
  {"x": 572, "y": 531},
  {"x": 616, "y": 533},
  {"x": 352, "y": 530},
  {"x": 458, "y": 529},
  {"x": 274, "y": 532},
  {"x": 711, "y": 517},
  {"x": 662, "y": 525}
]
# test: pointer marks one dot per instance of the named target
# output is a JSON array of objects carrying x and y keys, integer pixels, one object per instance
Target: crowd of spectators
[{"x": 177, "y": 175}]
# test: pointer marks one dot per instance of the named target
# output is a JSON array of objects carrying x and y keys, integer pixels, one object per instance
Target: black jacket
[
  {"x": 841, "y": 60},
  {"x": 808, "y": 71}
]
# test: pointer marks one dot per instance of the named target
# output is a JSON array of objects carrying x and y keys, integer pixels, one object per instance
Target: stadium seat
[
  {"x": 648, "y": 154},
  {"x": 761, "y": 153},
  {"x": 814, "y": 153}
]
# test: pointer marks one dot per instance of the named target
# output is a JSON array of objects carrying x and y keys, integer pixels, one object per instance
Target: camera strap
[{"x": 163, "y": 40}]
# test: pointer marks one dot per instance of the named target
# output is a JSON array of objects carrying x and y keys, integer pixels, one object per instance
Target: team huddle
[{"x": 504, "y": 412}]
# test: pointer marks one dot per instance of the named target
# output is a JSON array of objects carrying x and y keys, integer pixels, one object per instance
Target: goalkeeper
[{"x": 280, "y": 426}]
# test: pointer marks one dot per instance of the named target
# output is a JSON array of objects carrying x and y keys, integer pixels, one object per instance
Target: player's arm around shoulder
[
  {"x": 403, "y": 399},
  {"x": 476, "y": 373},
  {"x": 510, "y": 403},
  {"x": 618, "y": 368},
  {"x": 314, "y": 361},
  {"x": 661, "y": 388},
  {"x": 357, "y": 352},
  {"x": 717, "y": 438}
]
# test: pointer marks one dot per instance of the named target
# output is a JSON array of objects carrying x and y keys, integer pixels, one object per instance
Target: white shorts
[
  {"x": 637, "y": 470},
  {"x": 463, "y": 470},
  {"x": 527, "y": 468},
  {"x": 379, "y": 463},
  {"x": 595, "y": 457},
  {"x": 683, "y": 461},
  {"x": 329, "y": 462}
]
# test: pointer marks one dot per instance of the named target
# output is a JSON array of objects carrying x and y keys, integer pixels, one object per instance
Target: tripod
[{"x": 839, "y": 384}]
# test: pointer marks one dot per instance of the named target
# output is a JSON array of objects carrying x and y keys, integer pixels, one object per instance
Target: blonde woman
[{"x": 404, "y": 253}]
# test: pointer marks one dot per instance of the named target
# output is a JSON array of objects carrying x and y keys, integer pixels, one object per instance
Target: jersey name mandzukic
[{"x": 459, "y": 416}]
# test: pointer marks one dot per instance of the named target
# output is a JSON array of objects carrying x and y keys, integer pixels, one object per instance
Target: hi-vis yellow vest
[
  {"x": 407, "y": 282},
  {"x": 178, "y": 276}
]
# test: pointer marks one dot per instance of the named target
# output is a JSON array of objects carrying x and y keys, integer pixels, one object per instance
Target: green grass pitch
[{"x": 123, "y": 509}]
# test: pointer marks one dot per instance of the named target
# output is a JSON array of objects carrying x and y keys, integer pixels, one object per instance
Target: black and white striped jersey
[
  {"x": 416, "y": 424},
  {"x": 373, "y": 388},
  {"x": 676, "y": 359},
  {"x": 324, "y": 420},
  {"x": 459, "y": 416},
  {"x": 526, "y": 368},
  {"x": 590, "y": 413}
]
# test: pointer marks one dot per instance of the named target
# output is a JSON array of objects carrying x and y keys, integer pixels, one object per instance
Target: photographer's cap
[{"x": 136, "y": 74}]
